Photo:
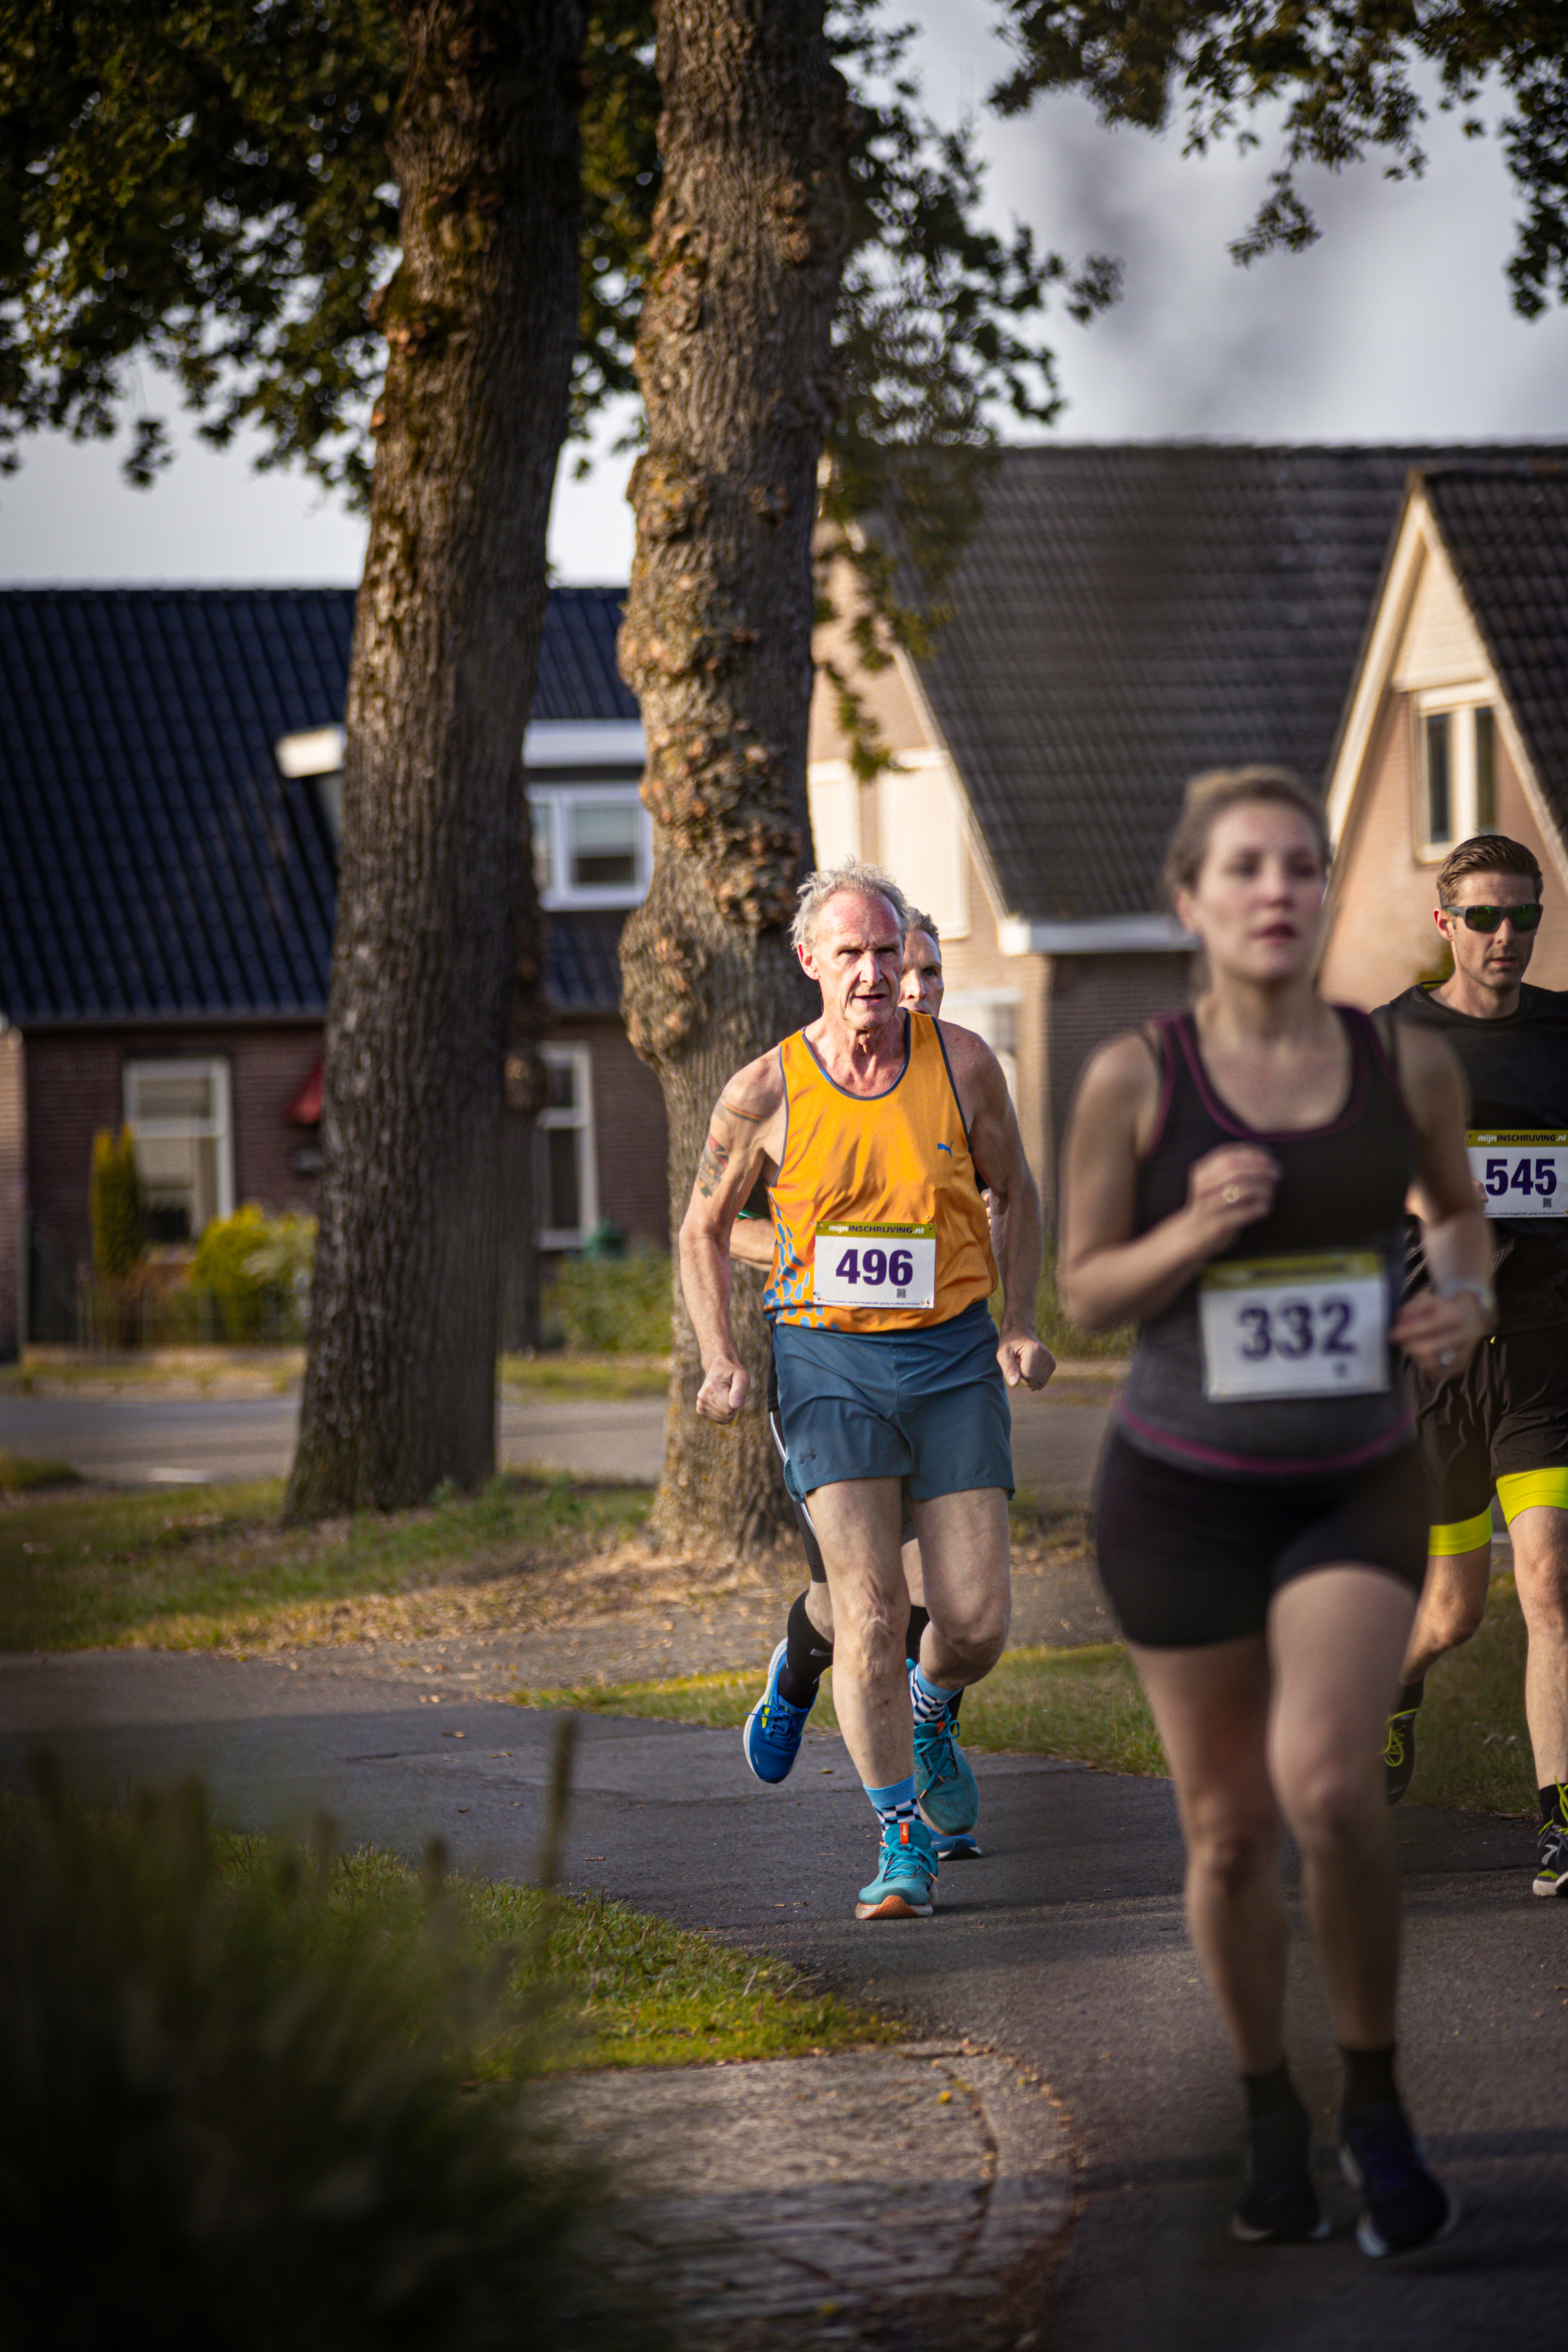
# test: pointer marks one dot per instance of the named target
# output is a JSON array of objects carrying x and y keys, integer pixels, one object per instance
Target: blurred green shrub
[
  {"x": 257, "y": 1270},
  {"x": 241, "y": 2111},
  {"x": 117, "y": 1210},
  {"x": 610, "y": 1305}
]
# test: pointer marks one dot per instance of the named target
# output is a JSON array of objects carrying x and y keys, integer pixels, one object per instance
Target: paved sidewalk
[{"x": 1063, "y": 1950}]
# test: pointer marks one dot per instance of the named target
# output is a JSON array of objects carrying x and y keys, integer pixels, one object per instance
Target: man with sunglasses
[{"x": 1500, "y": 1422}]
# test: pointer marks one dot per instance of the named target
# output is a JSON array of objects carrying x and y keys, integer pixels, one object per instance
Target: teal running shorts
[{"x": 927, "y": 1406}]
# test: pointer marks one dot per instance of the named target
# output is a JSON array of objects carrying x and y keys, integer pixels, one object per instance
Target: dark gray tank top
[{"x": 1274, "y": 1361}]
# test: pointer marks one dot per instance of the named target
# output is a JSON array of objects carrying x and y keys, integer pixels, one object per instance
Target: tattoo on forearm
[{"x": 711, "y": 1167}]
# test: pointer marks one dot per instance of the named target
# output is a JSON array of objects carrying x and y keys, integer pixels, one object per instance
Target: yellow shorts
[{"x": 1517, "y": 1490}]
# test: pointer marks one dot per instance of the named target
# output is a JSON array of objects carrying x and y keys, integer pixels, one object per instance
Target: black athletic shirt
[
  {"x": 1516, "y": 1072},
  {"x": 1341, "y": 1187}
]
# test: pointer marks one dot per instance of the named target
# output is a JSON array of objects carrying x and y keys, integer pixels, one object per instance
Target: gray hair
[
  {"x": 921, "y": 922},
  {"x": 849, "y": 873}
]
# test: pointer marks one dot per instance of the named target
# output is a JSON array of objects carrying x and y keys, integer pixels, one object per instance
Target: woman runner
[{"x": 1235, "y": 1180}]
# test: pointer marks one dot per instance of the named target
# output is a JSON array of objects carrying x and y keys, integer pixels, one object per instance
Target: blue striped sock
[
  {"x": 930, "y": 1701},
  {"x": 896, "y": 1803}
]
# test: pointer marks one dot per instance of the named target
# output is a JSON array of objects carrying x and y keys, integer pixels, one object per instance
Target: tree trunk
[
  {"x": 734, "y": 361},
  {"x": 480, "y": 323}
]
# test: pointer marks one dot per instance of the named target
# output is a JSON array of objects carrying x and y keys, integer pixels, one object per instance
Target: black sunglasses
[{"x": 1487, "y": 918}]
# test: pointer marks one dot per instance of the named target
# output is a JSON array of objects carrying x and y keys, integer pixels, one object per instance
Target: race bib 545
[
  {"x": 1312, "y": 1325},
  {"x": 1522, "y": 1171}
]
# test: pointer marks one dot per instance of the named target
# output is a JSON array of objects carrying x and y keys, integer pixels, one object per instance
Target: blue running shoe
[
  {"x": 905, "y": 1884},
  {"x": 1402, "y": 2206},
  {"x": 963, "y": 1847},
  {"x": 949, "y": 1797},
  {"x": 774, "y": 1728}
]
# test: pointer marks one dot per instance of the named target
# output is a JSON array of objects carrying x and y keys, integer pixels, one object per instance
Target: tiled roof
[
  {"x": 153, "y": 861},
  {"x": 1506, "y": 531},
  {"x": 582, "y": 960},
  {"x": 1127, "y": 615}
]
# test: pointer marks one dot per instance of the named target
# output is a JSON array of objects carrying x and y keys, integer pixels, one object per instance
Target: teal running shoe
[
  {"x": 905, "y": 1884},
  {"x": 945, "y": 1785},
  {"x": 774, "y": 1729}
]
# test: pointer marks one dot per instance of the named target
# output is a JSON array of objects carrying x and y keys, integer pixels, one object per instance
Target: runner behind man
[
  {"x": 1500, "y": 1423},
  {"x": 1235, "y": 1178},
  {"x": 945, "y": 1785},
  {"x": 877, "y": 1127}
]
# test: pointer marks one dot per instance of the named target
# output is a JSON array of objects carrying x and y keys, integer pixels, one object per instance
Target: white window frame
[
  {"x": 219, "y": 1129},
  {"x": 1451, "y": 703},
  {"x": 579, "y": 1059},
  {"x": 555, "y": 804}
]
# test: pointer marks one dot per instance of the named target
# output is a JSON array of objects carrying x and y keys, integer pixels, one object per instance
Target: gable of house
[
  {"x": 1457, "y": 722},
  {"x": 1122, "y": 618}
]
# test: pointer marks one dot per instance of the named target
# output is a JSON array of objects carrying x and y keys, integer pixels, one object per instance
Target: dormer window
[
  {"x": 1456, "y": 771},
  {"x": 592, "y": 844}
]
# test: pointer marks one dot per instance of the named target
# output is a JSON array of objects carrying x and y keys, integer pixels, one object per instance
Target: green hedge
[{"x": 608, "y": 1306}]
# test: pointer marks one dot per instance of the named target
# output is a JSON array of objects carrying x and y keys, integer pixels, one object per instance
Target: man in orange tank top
[{"x": 875, "y": 1129}]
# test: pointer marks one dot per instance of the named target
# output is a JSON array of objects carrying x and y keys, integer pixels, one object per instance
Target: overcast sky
[{"x": 1396, "y": 327}]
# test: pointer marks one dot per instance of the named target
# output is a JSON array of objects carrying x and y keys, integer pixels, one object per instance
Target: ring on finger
[{"x": 1231, "y": 1195}]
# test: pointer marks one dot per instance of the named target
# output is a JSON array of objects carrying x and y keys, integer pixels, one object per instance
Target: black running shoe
[
  {"x": 1402, "y": 2206},
  {"x": 1399, "y": 1754},
  {"x": 1279, "y": 2205},
  {"x": 1551, "y": 1862}
]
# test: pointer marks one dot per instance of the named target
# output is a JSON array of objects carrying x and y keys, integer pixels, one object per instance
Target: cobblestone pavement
[{"x": 802, "y": 2196}]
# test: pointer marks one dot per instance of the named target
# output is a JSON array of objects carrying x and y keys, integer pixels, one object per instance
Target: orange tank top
[{"x": 878, "y": 1224}]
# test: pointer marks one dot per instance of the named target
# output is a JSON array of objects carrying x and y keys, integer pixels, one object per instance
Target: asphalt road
[
  {"x": 1063, "y": 1947},
  {"x": 147, "y": 1438}
]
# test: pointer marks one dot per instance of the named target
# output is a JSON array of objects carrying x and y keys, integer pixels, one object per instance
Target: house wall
[
  {"x": 75, "y": 1086},
  {"x": 12, "y": 1184},
  {"x": 1381, "y": 938},
  {"x": 630, "y": 1132},
  {"x": 1093, "y": 997}
]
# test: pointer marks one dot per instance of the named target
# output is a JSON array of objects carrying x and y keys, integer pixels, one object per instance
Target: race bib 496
[
  {"x": 1522, "y": 1171},
  {"x": 875, "y": 1265},
  {"x": 1312, "y": 1325}
]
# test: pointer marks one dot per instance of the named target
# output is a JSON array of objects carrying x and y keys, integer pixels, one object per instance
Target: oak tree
[
  {"x": 1347, "y": 78},
  {"x": 824, "y": 335},
  {"x": 221, "y": 184}
]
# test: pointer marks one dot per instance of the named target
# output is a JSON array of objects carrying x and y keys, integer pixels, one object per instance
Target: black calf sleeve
[{"x": 806, "y": 1657}]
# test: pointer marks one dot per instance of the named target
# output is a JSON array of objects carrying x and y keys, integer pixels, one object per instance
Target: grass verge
[
  {"x": 1085, "y": 1705},
  {"x": 21, "y": 1475},
  {"x": 137, "y": 1569},
  {"x": 621, "y": 1989},
  {"x": 584, "y": 1380}
]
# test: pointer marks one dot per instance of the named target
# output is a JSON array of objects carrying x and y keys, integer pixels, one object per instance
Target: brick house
[
  {"x": 1122, "y": 618},
  {"x": 1456, "y": 720},
  {"x": 168, "y": 810}
]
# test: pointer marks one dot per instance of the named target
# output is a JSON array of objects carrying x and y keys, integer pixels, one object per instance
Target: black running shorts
[
  {"x": 1188, "y": 1559},
  {"x": 1494, "y": 1425}
]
